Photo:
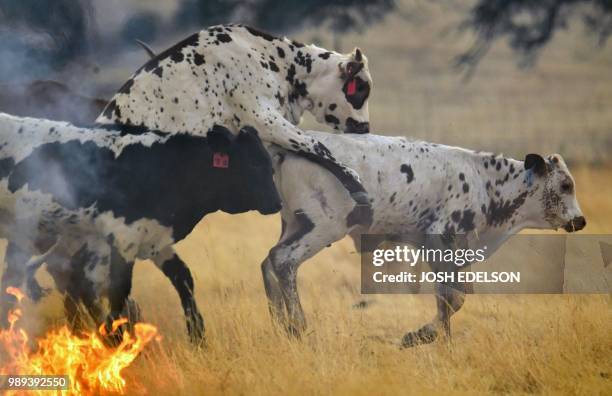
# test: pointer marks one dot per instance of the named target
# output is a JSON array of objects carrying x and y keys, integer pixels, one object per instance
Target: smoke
[{"x": 40, "y": 37}]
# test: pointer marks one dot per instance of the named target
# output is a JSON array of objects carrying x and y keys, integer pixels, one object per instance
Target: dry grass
[
  {"x": 541, "y": 344},
  {"x": 502, "y": 344}
]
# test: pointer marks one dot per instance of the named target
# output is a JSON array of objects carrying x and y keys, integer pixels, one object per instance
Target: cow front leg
[
  {"x": 290, "y": 137},
  {"x": 180, "y": 276},
  {"x": 80, "y": 288},
  {"x": 449, "y": 299},
  {"x": 72, "y": 313},
  {"x": 13, "y": 276},
  {"x": 118, "y": 293}
]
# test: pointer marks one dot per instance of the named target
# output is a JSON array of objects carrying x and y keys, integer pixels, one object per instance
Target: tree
[
  {"x": 529, "y": 25},
  {"x": 286, "y": 16}
]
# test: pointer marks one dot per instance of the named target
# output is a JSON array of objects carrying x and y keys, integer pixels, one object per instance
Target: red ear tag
[
  {"x": 351, "y": 88},
  {"x": 220, "y": 160}
]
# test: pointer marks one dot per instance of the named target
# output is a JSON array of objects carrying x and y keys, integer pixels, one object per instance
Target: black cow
[{"x": 106, "y": 197}]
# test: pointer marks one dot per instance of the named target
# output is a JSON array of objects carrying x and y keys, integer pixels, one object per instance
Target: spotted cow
[
  {"x": 91, "y": 201},
  {"x": 235, "y": 75},
  {"x": 431, "y": 192}
]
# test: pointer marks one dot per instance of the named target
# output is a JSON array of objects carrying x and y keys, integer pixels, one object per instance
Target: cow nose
[
  {"x": 579, "y": 223},
  {"x": 353, "y": 126},
  {"x": 576, "y": 224}
]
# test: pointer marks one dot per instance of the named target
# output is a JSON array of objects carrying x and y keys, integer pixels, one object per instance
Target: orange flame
[
  {"x": 92, "y": 369},
  {"x": 15, "y": 292}
]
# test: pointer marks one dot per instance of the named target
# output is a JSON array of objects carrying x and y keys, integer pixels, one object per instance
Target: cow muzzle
[
  {"x": 575, "y": 224},
  {"x": 353, "y": 126}
]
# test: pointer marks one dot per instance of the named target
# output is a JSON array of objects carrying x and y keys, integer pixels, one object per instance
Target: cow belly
[{"x": 142, "y": 239}]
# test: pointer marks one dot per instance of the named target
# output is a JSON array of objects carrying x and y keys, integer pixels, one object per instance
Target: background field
[{"x": 502, "y": 344}]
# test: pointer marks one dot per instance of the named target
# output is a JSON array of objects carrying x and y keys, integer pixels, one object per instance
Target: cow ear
[
  {"x": 353, "y": 68},
  {"x": 535, "y": 163},
  {"x": 349, "y": 69},
  {"x": 220, "y": 138}
]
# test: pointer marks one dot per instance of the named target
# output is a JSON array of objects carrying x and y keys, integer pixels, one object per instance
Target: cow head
[
  {"x": 339, "y": 95},
  {"x": 557, "y": 192},
  {"x": 247, "y": 171}
]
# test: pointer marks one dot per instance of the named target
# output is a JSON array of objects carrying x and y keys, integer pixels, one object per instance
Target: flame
[{"x": 92, "y": 368}]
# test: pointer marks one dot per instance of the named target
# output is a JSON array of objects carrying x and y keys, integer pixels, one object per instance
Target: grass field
[
  {"x": 526, "y": 344},
  {"x": 542, "y": 344}
]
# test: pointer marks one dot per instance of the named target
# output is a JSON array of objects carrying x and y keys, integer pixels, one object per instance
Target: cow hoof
[
  {"x": 112, "y": 339},
  {"x": 196, "y": 331},
  {"x": 294, "y": 331},
  {"x": 425, "y": 335},
  {"x": 132, "y": 312}
]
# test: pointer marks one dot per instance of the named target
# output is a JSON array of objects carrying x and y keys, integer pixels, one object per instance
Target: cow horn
[{"x": 358, "y": 55}]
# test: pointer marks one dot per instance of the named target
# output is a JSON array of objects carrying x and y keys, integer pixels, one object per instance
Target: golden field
[{"x": 507, "y": 344}]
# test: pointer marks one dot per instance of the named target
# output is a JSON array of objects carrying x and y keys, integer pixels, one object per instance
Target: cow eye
[{"x": 566, "y": 188}]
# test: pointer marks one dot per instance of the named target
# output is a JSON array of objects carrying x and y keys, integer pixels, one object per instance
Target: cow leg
[
  {"x": 91, "y": 300},
  {"x": 273, "y": 291},
  {"x": 180, "y": 276},
  {"x": 304, "y": 241},
  {"x": 449, "y": 299},
  {"x": 13, "y": 276},
  {"x": 34, "y": 290},
  {"x": 291, "y": 138},
  {"x": 73, "y": 316},
  {"x": 80, "y": 289},
  {"x": 118, "y": 293}
]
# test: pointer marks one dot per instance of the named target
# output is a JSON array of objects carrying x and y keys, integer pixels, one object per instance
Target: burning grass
[
  {"x": 525, "y": 344},
  {"x": 91, "y": 367}
]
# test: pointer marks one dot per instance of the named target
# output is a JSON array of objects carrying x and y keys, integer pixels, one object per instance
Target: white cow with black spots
[
  {"x": 235, "y": 75},
  {"x": 431, "y": 192}
]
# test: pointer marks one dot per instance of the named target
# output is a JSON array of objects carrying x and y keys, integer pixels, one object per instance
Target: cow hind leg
[
  {"x": 273, "y": 292},
  {"x": 33, "y": 288},
  {"x": 449, "y": 300},
  {"x": 291, "y": 138},
  {"x": 304, "y": 241},
  {"x": 180, "y": 276}
]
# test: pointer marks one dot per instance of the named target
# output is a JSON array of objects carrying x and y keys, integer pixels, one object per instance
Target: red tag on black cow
[
  {"x": 220, "y": 160},
  {"x": 351, "y": 87}
]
